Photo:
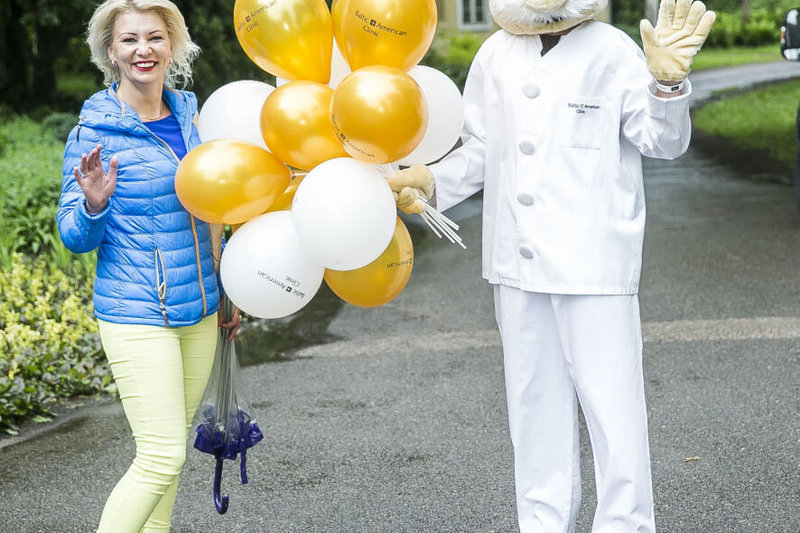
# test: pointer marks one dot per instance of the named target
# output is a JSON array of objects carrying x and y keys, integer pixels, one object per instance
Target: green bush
[
  {"x": 763, "y": 27},
  {"x": 58, "y": 125},
  {"x": 31, "y": 156},
  {"x": 453, "y": 53},
  {"x": 629, "y": 12},
  {"x": 30, "y": 179},
  {"x": 49, "y": 345}
]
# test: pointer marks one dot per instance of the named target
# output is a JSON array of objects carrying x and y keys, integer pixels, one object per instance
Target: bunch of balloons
[{"x": 303, "y": 166}]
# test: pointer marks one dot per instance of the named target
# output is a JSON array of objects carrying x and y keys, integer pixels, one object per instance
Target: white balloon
[
  {"x": 264, "y": 269},
  {"x": 445, "y": 115},
  {"x": 344, "y": 213},
  {"x": 234, "y": 112},
  {"x": 339, "y": 69}
]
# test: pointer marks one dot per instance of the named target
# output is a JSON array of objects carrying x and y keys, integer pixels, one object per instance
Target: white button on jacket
[
  {"x": 526, "y": 147},
  {"x": 525, "y": 198},
  {"x": 576, "y": 145},
  {"x": 530, "y": 90}
]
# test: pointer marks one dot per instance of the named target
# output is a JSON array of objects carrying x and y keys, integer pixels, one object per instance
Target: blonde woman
[{"x": 156, "y": 295}]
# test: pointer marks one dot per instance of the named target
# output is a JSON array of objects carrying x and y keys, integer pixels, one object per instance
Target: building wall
[{"x": 447, "y": 14}]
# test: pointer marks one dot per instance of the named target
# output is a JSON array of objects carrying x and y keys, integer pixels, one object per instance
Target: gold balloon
[
  {"x": 380, "y": 281},
  {"x": 284, "y": 201},
  {"x": 291, "y": 39},
  {"x": 296, "y": 124},
  {"x": 379, "y": 114},
  {"x": 229, "y": 182},
  {"x": 396, "y": 33}
]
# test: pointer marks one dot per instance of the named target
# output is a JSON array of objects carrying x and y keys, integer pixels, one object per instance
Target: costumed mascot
[{"x": 559, "y": 109}]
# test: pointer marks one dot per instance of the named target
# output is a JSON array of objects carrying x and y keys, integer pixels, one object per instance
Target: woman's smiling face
[{"x": 141, "y": 48}]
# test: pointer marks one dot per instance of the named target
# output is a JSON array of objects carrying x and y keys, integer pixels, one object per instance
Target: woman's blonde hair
[{"x": 101, "y": 32}]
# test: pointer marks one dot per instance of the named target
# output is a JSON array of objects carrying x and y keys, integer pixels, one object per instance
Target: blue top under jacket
[
  {"x": 154, "y": 261},
  {"x": 168, "y": 129}
]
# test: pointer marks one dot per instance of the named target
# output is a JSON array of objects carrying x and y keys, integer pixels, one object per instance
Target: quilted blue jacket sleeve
[{"x": 80, "y": 231}]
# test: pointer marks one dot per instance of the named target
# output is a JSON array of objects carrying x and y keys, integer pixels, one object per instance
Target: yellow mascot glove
[
  {"x": 412, "y": 188},
  {"x": 410, "y": 201},
  {"x": 680, "y": 31}
]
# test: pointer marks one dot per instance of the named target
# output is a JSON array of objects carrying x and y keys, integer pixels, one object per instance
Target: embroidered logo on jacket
[{"x": 582, "y": 109}]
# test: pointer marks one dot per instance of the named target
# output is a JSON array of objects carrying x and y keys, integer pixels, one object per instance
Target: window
[{"x": 474, "y": 15}]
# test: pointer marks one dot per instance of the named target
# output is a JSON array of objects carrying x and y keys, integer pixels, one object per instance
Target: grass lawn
[
  {"x": 727, "y": 57},
  {"x": 763, "y": 119}
]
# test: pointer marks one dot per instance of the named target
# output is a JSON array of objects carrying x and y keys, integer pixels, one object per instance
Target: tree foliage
[
  {"x": 628, "y": 13},
  {"x": 34, "y": 34},
  {"x": 44, "y": 60},
  {"x": 42, "y": 43},
  {"x": 222, "y": 60}
]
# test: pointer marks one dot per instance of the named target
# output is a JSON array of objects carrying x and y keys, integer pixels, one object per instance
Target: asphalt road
[{"x": 393, "y": 419}]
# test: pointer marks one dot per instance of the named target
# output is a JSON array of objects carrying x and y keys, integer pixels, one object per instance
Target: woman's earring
[{"x": 114, "y": 63}]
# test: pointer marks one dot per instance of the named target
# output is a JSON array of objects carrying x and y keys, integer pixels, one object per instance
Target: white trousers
[{"x": 555, "y": 346}]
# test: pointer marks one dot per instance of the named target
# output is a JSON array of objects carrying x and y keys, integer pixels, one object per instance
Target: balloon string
[
  {"x": 447, "y": 228},
  {"x": 441, "y": 225},
  {"x": 443, "y": 218},
  {"x": 433, "y": 223},
  {"x": 437, "y": 222},
  {"x": 451, "y": 236},
  {"x": 430, "y": 224}
]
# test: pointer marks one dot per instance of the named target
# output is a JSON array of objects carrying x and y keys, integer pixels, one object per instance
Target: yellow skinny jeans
[{"x": 161, "y": 374}]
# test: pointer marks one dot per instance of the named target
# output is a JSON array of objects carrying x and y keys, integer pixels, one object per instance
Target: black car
[{"x": 790, "y": 48}]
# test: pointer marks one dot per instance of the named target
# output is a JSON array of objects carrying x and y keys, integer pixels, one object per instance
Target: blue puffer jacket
[{"x": 154, "y": 262}]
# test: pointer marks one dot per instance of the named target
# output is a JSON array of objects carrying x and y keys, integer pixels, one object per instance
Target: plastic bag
[{"x": 226, "y": 428}]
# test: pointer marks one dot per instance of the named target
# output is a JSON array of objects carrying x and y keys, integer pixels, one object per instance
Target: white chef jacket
[{"x": 555, "y": 143}]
